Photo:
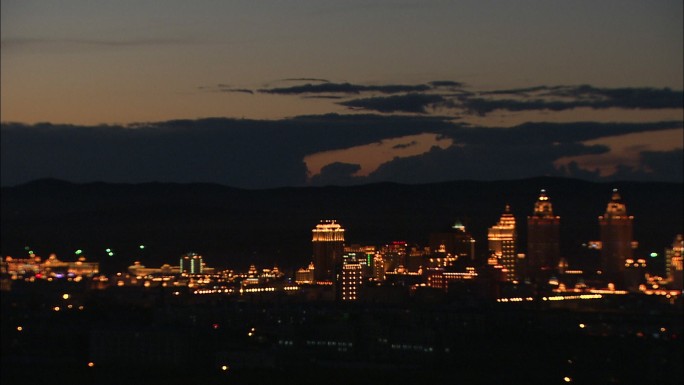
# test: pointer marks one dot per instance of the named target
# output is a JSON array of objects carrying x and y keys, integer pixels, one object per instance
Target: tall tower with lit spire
[
  {"x": 501, "y": 239},
  {"x": 543, "y": 234},
  {"x": 616, "y": 239},
  {"x": 328, "y": 246}
]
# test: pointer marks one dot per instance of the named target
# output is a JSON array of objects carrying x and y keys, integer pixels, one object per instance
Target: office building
[
  {"x": 502, "y": 238},
  {"x": 328, "y": 246},
  {"x": 191, "y": 263},
  {"x": 673, "y": 263},
  {"x": 350, "y": 281},
  {"x": 455, "y": 247},
  {"x": 616, "y": 240},
  {"x": 543, "y": 240}
]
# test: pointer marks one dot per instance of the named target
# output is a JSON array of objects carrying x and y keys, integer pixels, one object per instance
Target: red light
[
  {"x": 215, "y": 326},
  {"x": 38, "y": 275}
]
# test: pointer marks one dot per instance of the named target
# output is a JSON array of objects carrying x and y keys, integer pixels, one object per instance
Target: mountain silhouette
[{"x": 233, "y": 228}]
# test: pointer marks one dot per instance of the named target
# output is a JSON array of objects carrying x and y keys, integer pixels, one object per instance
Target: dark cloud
[
  {"x": 517, "y": 91},
  {"x": 306, "y": 80},
  {"x": 235, "y": 152},
  {"x": 344, "y": 88},
  {"x": 654, "y": 164},
  {"x": 544, "y": 133},
  {"x": 225, "y": 88},
  {"x": 480, "y": 162},
  {"x": 269, "y": 153},
  {"x": 405, "y": 145},
  {"x": 412, "y": 102},
  {"x": 526, "y": 151},
  {"x": 446, "y": 83},
  {"x": 337, "y": 97},
  {"x": 336, "y": 173},
  {"x": 573, "y": 170},
  {"x": 576, "y": 97}
]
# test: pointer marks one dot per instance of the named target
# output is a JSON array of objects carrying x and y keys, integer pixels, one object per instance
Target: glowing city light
[
  {"x": 19, "y": 328},
  {"x": 91, "y": 364},
  {"x": 65, "y": 296}
]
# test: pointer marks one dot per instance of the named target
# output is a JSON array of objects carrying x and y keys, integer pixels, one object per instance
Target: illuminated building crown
[
  {"x": 328, "y": 231},
  {"x": 507, "y": 219},
  {"x": 615, "y": 207},
  {"x": 543, "y": 208}
]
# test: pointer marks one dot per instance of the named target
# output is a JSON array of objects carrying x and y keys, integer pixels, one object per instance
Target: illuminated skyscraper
[
  {"x": 501, "y": 239},
  {"x": 543, "y": 245},
  {"x": 673, "y": 263},
  {"x": 328, "y": 246},
  {"x": 379, "y": 268},
  {"x": 457, "y": 244},
  {"x": 616, "y": 239},
  {"x": 191, "y": 263},
  {"x": 351, "y": 277}
]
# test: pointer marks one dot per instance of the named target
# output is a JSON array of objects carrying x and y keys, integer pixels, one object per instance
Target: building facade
[
  {"x": 616, "y": 240},
  {"x": 673, "y": 263},
  {"x": 191, "y": 263},
  {"x": 502, "y": 238},
  {"x": 328, "y": 246},
  {"x": 457, "y": 246},
  {"x": 543, "y": 240}
]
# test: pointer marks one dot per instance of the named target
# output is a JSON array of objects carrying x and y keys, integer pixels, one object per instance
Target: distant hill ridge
[{"x": 236, "y": 227}]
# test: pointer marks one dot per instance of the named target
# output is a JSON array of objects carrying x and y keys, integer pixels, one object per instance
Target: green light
[
  {"x": 653, "y": 255},
  {"x": 79, "y": 251},
  {"x": 110, "y": 254},
  {"x": 27, "y": 248},
  {"x": 142, "y": 247},
  {"x": 31, "y": 252},
  {"x": 108, "y": 250}
]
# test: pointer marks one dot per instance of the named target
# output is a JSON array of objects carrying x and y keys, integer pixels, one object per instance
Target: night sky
[{"x": 292, "y": 93}]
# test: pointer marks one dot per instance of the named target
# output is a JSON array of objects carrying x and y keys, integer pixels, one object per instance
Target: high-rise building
[
  {"x": 673, "y": 263},
  {"x": 328, "y": 246},
  {"x": 351, "y": 277},
  {"x": 457, "y": 246},
  {"x": 350, "y": 281},
  {"x": 616, "y": 239},
  {"x": 364, "y": 255},
  {"x": 191, "y": 263},
  {"x": 502, "y": 237},
  {"x": 378, "y": 268},
  {"x": 543, "y": 239}
]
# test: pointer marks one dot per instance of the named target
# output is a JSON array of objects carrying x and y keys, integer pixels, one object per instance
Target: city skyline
[
  {"x": 396, "y": 312},
  {"x": 315, "y": 93},
  {"x": 542, "y": 249}
]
